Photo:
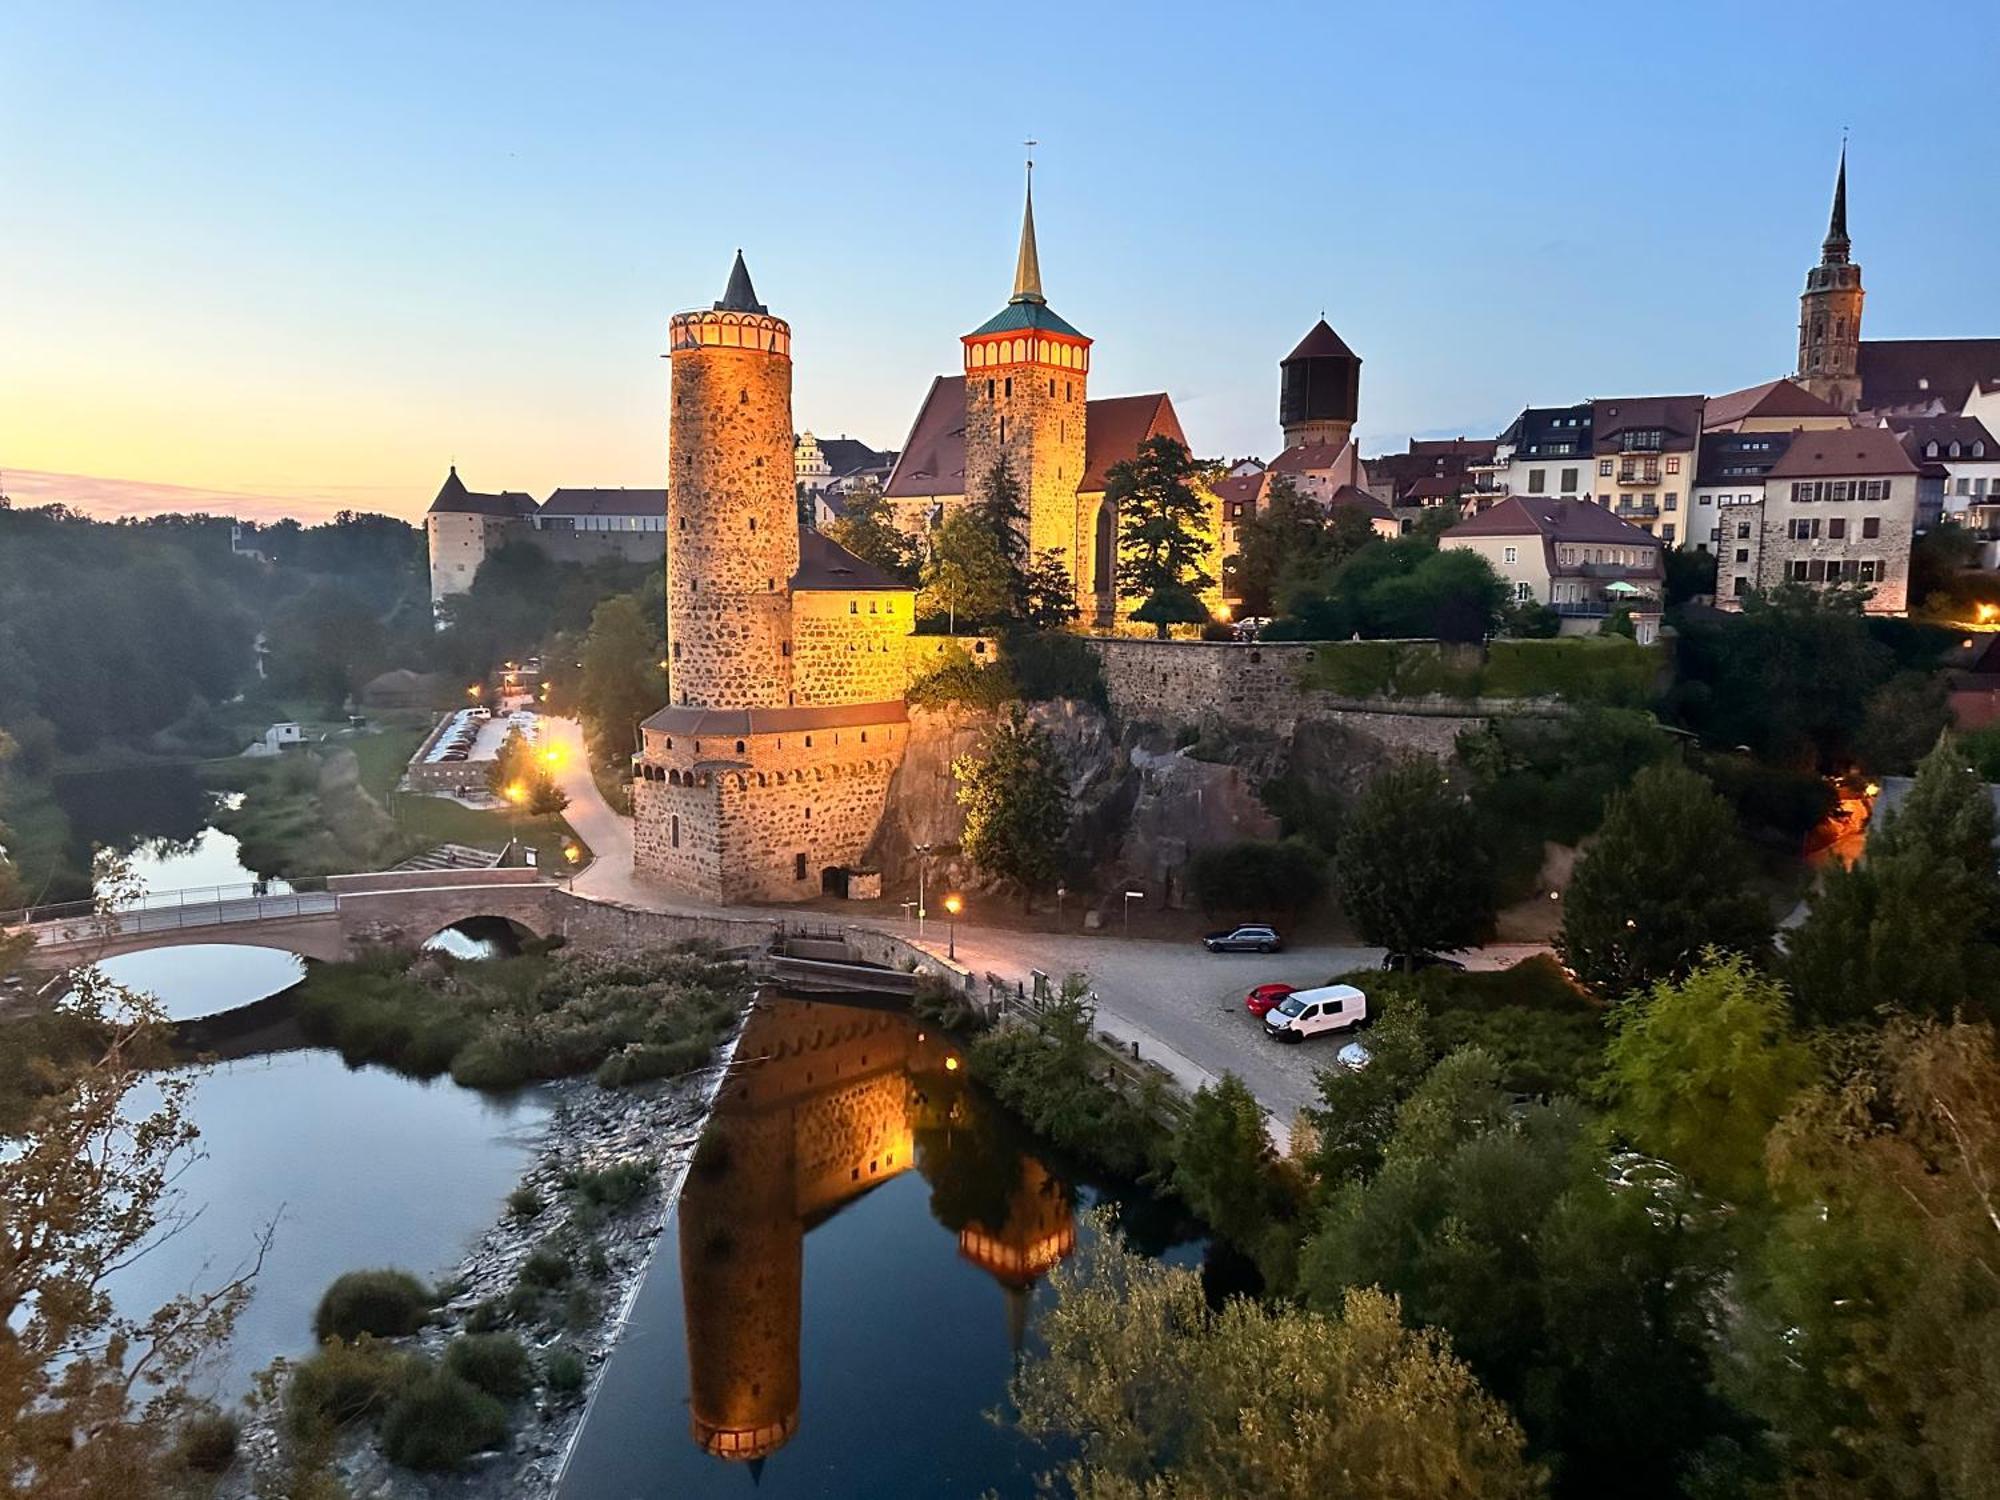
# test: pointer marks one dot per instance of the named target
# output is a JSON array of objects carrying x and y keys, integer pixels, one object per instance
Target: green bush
[
  {"x": 487, "y": 1316},
  {"x": 385, "y": 1303},
  {"x": 524, "y": 1202},
  {"x": 1608, "y": 670},
  {"x": 546, "y": 1267},
  {"x": 439, "y": 1420},
  {"x": 1050, "y": 664},
  {"x": 1392, "y": 669},
  {"x": 956, "y": 680},
  {"x": 343, "y": 1382},
  {"x": 619, "y": 1186},
  {"x": 495, "y": 1362},
  {"x": 1260, "y": 875},
  {"x": 207, "y": 1443},
  {"x": 579, "y": 1309},
  {"x": 565, "y": 1373}
]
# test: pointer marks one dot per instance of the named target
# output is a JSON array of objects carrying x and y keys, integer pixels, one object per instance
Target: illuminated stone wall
[
  {"x": 732, "y": 521},
  {"x": 1043, "y": 408},
  {"x": 848, "y": 645}
]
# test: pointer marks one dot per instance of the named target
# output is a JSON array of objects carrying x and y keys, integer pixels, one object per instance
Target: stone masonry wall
[
  {"x": 732, "y": 528},
  {"x": 800, "y": 813},
  {"x": 676, "y": 834},
  {"x": 1044, "y": 445},
  {"x": 847, "y": 646}
]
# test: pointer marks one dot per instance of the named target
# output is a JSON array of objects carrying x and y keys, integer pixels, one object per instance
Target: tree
[
  {"x": 1016, "y": 801},
  {"x": 966, "y": 575},
  {"x": 1048, "y": 596},
  {"x": 1666, "y": 878},
  {"x": 1871, "y": 1324},
  {"x": 1690, "y": 572},
  {"x": 997, "y": 505},
  {"x": 1358, "y": 1106},
  {"x": 1164, "y": 531},
  {"x": 867, "y": 527},
  {"x": 521, "y": 775},
  {"x": 1258, "y": 875},
  {"x": 1288, "y": 538},
  {"x": 1915, "y": 925},
  {"x": 1580, "y": 1305},
  {"x": 1159, "y": 1397},
  {"x": 1225, "y": 1168},
  {"x": 623, "y": 680},
  {"x": 91, "y": 1395},
  {"x": 1415, "y": 876},
  {"x": 1901, "y": 723},
  {"x": 1697, "y": 1072}
]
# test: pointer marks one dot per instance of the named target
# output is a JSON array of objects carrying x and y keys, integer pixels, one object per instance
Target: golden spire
[{"x": 1028, "y": 268}]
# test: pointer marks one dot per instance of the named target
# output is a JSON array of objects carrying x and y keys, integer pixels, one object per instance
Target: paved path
[{"x": 1181, "y": 1004}]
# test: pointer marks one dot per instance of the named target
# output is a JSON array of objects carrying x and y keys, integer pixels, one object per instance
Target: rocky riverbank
[{"x": 591, "y": 1130}]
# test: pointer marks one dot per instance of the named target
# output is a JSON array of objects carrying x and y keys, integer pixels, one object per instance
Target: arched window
[
  {"x": 1104, "y": 559},
  {"x": 1930, "y": 449}
]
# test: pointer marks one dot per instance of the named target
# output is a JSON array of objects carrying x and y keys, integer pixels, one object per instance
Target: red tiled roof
[
  {"x": 1915, "y": 372},
  {"x": 1558, "y": 520},
  {"x": 1114, "y": 428},
  {"x": 1774, "y": 398},
  {"x": 1435, "y": 487},
  {"x": 933, "y": 458},
  {"x": 1857, "y": 450},
  {"x": 1469, "y": 449},
  {"x": 1239, "y": 489},
  {"x": 1310, "y": 458}
]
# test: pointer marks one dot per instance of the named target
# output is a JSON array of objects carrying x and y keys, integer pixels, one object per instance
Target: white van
[{"x": 1304, "y": 1013}]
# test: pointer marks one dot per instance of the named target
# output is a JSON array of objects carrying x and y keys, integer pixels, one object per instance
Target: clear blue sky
[{"x": 314, "y": 252}]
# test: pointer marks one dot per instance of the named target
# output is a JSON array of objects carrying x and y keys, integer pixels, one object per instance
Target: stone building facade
[{"x": 764, "y": 777}]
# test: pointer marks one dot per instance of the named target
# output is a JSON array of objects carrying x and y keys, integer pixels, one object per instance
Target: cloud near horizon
[{"x": 108, "y": 499}]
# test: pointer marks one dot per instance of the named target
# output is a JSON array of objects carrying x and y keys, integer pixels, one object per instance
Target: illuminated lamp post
[
  {"x": 572, "y": 856},
  {"x": 923, "y": 853},
  {"x": 1130, "y": 897},
  {"x": 516, "y": 795},
  {"x": 952, "y": 904}
]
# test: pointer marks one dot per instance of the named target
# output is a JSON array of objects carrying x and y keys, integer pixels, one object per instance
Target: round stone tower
[
  {"x": 1319, "y": 389},
  {"x": 732, "y": 520}
]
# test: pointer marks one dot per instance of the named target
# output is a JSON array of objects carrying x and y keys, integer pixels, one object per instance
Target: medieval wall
[
  {"x": 798, "y": 811},
  {"x": 676, "y": 827},
  {"x": 847, "y": 646}
]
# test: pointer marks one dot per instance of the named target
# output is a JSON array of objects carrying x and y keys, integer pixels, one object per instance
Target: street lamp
[
  {"x": 1061, "y": 891},
  {"x": 516, "y": 795},
  {"x": 953, "y": 905},
  {"x": 1130, "y": 897},
  {"x": 572, "y": 856},
  {"x": 923, "y": 853}
]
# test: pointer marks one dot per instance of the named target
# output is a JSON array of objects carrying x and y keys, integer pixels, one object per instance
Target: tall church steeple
[
  {"x": 1830, "y": 311},
  {"x": 1028, "y": 265}
]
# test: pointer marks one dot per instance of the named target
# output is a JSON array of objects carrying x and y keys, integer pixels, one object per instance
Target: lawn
[
  {"x": 383, "y": 755},
  {"x": 438, "y": 820}
]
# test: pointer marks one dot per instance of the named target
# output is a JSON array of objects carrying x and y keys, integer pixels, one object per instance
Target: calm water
[
  {"x": 857, "y": 1255},
  {"x": 353, "y": 1167}
]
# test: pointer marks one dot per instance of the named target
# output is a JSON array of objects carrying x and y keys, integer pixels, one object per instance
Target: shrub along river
[{"x": 839, "y": 1297}]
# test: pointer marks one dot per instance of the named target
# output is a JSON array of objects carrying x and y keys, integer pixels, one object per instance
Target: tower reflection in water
[{"x": 825, "y": 1102}]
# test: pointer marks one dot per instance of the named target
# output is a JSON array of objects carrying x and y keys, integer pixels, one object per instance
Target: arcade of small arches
[
  {"x": 741, "y": 780},
  {"x": 1060, "y": 353},
  {"x": 731, "y": 330}
]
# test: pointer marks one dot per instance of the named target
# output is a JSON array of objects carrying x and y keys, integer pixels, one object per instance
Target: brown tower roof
[{"x": 1320, "y": 342}]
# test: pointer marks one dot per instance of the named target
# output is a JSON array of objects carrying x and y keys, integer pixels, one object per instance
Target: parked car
[
  {"x": 1251, "y": 938},
  {"x": 1414, "y": 962},
  {"x": 1261, "y": 999},
  {"x": 1304, "y": 1013},
  {"x": 1353, "y": 1057}
]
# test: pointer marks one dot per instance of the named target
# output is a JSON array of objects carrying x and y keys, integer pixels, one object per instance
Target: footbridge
[{"x": 328, "y": 919}]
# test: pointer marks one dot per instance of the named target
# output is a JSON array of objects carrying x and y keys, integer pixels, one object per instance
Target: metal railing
[
  {"x": 196, "y": 895},
  {"x": 91, "y": 925}
]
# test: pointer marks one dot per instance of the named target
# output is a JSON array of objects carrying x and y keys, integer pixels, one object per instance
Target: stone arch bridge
[{"x": 398, "y": 908}]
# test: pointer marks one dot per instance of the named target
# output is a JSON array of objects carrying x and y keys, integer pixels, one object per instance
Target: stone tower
[
  {"x": 1830, "y": 313},
  {"x": 1319, "y": 389},
  {"x": 1025, "y": 376},
  {"x": 732, "y": 516}
]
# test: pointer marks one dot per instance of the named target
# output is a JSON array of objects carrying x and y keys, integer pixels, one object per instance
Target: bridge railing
[
  {"x": 185, "y": 896},
  {"x": 89, "y": 925}
]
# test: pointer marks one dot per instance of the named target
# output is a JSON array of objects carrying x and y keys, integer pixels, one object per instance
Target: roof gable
[
  {"x": 933, "y": 458},
  {"x": 1115, "y": 426},
  {"x": 1774, "y": 398},
  {"x": 1856, "y": 450}
]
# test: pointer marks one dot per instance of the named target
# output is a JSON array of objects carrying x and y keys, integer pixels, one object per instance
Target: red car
[{"x": 1265, "y": 996}]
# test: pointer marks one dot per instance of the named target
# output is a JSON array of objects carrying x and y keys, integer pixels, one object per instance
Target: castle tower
[
  {"x": 1319, "y": 389},
  {"x": 732, "y": 515},
  {"x": 1026, "y": 371},
  {"x": 1830, "y": 312}
]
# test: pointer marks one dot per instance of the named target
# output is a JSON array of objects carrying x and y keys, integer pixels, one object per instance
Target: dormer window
[
  {"x": 1930, "y": 449},
  {"x": 1954, "y": 448},
  {"x": 1978, "y": 449}
]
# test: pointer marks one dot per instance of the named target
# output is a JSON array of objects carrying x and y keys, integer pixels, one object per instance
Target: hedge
[{"x": 1609, "y": 670}]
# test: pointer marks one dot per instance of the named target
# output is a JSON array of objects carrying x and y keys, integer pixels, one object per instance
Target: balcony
[
  {"x": 1641, "y": 477},
  {"x": 1637, "y": 511}
]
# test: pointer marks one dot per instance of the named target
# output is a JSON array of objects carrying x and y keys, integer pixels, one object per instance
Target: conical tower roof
[
  {"x": 740, "y": 295},
  {"x": 1835, "y": 247},
  {"x": 1028, "y": 264},
  {"x": 1320, "y": 342}
]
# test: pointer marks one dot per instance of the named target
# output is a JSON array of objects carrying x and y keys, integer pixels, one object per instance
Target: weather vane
[{"x": 1031, "y": 143}]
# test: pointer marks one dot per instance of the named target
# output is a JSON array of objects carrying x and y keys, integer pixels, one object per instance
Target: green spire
[{"x": 1028, "y": 268}]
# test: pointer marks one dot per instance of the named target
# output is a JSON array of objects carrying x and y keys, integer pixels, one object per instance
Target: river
[
  {"x": 350, "y": 1167},
  {"x": 852, "y": 1270}
]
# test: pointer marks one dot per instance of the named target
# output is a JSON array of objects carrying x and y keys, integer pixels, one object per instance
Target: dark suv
[{"x": 1251, "y": 938}]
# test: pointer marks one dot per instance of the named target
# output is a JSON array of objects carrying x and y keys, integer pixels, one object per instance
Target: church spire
[
  {"x": 1028, "y": 267},
  {"x": 1834, "y": 250}
]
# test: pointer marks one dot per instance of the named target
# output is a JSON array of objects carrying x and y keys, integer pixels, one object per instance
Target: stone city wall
[
  {"x": 606, "y": 924},
  {"x": 847, "y": 646}
]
